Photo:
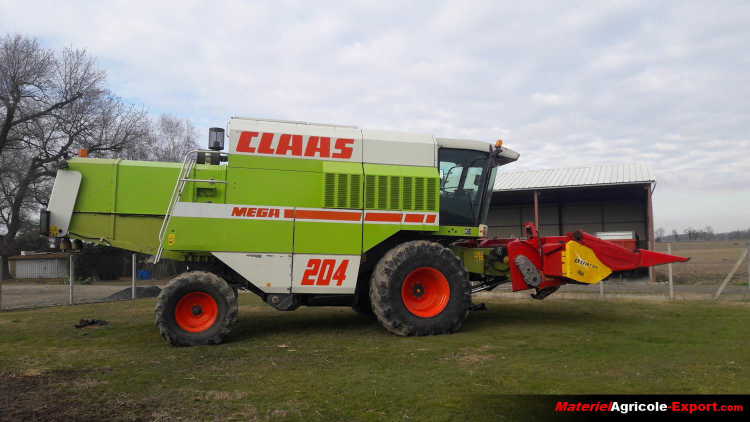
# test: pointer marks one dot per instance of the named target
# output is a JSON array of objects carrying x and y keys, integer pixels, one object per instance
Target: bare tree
[
  {"x": 660, "y": 232},
  {"x": 35, "y": 83},
  {"x": 168, "y": 139},
  {"x": 53, "y": 104}
]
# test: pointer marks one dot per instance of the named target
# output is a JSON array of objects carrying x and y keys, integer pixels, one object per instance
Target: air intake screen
[
  {"x": 342, "y": 190},
  {"x": 401, "y": 193}
]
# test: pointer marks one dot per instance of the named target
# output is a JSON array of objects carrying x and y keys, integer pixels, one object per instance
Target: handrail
[{"x": 188, "y": 164}]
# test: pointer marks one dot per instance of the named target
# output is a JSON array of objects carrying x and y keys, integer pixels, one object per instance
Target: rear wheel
[
  {"x": 196, "y": 308},
  {"x": 420, "y": 288}
]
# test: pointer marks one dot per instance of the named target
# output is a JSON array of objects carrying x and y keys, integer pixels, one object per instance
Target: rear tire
[
  {"x": 420, "y": 288},
  {"x": 196, "y": 308}
]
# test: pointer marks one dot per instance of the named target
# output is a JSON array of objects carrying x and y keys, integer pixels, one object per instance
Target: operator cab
[{"x": 467, "y": 177}]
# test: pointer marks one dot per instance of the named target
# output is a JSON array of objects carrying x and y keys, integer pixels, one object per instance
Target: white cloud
[{"x": 661, "y": 82}]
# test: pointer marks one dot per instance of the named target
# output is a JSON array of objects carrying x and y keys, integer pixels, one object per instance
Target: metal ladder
[{"x": 188, "y": 165}]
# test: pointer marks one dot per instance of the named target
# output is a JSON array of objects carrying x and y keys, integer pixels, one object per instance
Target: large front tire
[
  {"x": 420, "y": 288},
  {"x": 196, "y": 308}
]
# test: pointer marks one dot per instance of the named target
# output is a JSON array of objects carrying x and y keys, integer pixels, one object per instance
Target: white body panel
[
  {"x": 298, "y": 273},
  {"x": 294, "y": 140},
  {"x": 62, "y": 201},
  {"x": 271, "y": 273},
  {"x": 328, "y": 274},
  {"x": 399, "y": 148},
  {"x": 275, "y": 138},
  {"x": 244, "y": 212}
]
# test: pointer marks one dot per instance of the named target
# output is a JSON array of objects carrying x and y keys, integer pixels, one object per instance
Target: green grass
[{"x": 332, "y": 364}]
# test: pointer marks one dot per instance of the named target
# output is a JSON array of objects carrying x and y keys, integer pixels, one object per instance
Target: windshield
[{"x": 463, "y": 181}]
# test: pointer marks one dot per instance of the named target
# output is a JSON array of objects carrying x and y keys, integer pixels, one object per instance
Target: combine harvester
[{"x": 322, "y": 215}]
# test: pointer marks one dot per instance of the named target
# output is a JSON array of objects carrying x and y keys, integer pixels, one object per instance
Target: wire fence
[
  {"x": 716, "y": 270},
  {"x": 145, "y": 281}
]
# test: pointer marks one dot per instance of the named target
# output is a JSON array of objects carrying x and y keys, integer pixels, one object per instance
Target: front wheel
[
  {"x": 196, "y": 308},
  {"x": 420, "y": 288}
]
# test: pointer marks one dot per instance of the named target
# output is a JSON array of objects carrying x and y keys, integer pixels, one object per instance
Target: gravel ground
[{"x": 18, "y": 295}]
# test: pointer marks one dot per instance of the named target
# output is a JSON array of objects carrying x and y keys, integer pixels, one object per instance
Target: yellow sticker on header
[{"x": 580, "y": 263}]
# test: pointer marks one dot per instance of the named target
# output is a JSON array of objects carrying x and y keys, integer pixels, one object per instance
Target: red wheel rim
[
  {"x": 425, "y": 292},
  {"x": 196, "y": 312}
]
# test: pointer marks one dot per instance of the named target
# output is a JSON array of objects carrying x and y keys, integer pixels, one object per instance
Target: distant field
[
  {"x": 332, "y": 364},
  {"x": 709, "y": 262}
]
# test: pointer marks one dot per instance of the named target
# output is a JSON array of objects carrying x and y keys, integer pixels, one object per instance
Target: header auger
[{"x": 301, "y": 214}]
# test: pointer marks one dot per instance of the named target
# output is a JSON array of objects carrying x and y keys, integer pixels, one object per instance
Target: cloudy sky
[{"x": 661, "y": 82}]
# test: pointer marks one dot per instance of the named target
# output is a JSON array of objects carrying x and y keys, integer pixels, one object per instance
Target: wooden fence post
[
  {"x": 731, "y": 273},
  {"x": 669, "y": 268}
]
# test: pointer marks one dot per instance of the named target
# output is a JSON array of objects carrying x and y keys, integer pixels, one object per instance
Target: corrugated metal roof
[{"x": 607, "y": 174}]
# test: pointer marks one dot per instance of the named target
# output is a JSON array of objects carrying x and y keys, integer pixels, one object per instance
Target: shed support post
[
  {"x": 650, "y": 227},
  {"x": 536, "y": 210}
]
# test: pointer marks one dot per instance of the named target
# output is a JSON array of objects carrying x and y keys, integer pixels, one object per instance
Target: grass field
[
  {"x": 709, "y": 262},
  {"x": 332, "y": 364}
]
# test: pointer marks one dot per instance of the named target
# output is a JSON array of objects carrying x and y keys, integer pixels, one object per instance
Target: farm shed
[
  {"x": 602, "y": 198},
  {"x": 39, "y": 266}
]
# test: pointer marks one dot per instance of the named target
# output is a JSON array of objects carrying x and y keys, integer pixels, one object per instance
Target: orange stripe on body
[
  {"x": 431, "y": 219},
  {"x": 325, "y": 215},
  {"x": 414, "y": 218},
  {"x": 383, "y": 217}
]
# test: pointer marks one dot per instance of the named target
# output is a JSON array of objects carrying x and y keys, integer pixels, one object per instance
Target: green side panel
[
  {"x": 97, "y": 191},
  {"x": 275, "y": 163},
  {"x": 133, "y": 233},
  {"x": 229, "y": 235},
  {"x": 140, "y": 187},
  {"x": 214, "y": 193},
  {"x": 137, "y": 233},
  {"x": 458, "y": 231},
  {"x": 274, "y": 187},
  {"x": 376, "y": 233},
  {"x": 327, "y": 238},
  {"x": 144, "y": 187},
  {"x": 93, "y": 226}
]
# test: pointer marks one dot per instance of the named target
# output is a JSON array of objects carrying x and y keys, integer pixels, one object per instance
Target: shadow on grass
[
  {"x": 342, "y": 321},
  {"x": 308, "y": 321},
  {"x": 538, "y": 316}
]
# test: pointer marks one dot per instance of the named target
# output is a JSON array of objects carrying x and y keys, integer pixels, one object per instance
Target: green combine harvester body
[{"x": 307, "y": 214}]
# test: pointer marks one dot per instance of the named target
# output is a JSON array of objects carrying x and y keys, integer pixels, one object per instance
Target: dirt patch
[
  {"x": 63, "y": 395},
  {"x": 225, "y": 395},
  {"x": 470, "y": 356}
]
